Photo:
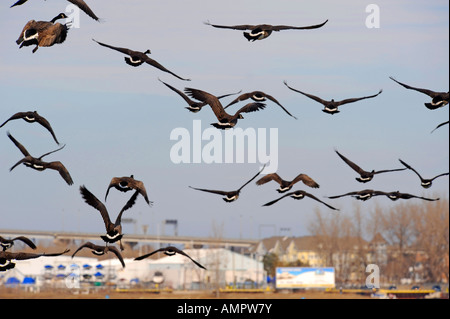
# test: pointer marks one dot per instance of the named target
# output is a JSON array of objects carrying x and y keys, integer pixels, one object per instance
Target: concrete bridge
[{"x": 132, "y": 238}]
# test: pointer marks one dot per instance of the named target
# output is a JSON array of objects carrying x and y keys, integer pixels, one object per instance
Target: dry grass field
[{"x": 13, "y": 293}]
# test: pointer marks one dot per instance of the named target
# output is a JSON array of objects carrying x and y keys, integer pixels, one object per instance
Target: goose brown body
[
  {"x": 170, "y": 251},
  {"x": 127, "y": 183},
  {"x": 286, "y": 185},
  {"x": 262, "y": 31},
  {"x": 331, "y": 106},
  {"x": 38, "y": 164},
  {"x": 365, "y": 176},
  {"x": 33, "y": 117},
  {"x": 226, "y": 120},
  {"x": 113, "y": 230},
  {"x": 43, "y": 33},
  {"x": 8, "y": 243},
  {"x": 101, "y": 250}
]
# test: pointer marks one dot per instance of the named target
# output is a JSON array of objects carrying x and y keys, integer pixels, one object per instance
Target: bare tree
[
  {"x": 432, "y": 233},
  {"x": 415, "y": 237},
  {"x": 336, "y": 237}
]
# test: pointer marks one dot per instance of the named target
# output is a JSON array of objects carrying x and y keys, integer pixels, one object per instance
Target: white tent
[{"x": 223, "y": 267}]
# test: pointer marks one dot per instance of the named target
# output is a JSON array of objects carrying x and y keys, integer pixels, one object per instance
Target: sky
[{"x": 116, "y": 120}]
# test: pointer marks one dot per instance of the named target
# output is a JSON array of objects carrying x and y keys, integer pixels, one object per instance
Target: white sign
[{"x": 305, "y": 277}]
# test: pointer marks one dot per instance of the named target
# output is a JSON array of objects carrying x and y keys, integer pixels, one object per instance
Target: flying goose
[
  {"x": 363, "y": 195},
  {"x": 101, "y": 250},
  {"x": 194, "y": 106},
  {"x": 113, "y": 230},
  {"x": 6, "y": 258},
  {"x": 33, "y": 117},
  {"x": 365, "y": 176},
  {"x": 170, "y": 251},
  {"x": 38, "y": 164},
  {"x": 398, "y": 195},
  {"x": 258, "y": 96},
  {"x": 125, "y": 184},
  {"x": 442, "y": 124},
  {"x": 287, "y": 185},
  {"x": 439, "y": 99},
  {"x": 226, "y": 120},
  {"x": 79, "y": 3},
  {"x": 331, "y": 107},
  {"x": 8, "y": 243},
  {"x": 137, "y": 58},
  {"x": 43, "y": 33},
  {"x": 425, "y": 182},
  {"x": 230, "y": 196},
  {"x": 262, "y": 31},
  {"x": 299, "y": 194}
]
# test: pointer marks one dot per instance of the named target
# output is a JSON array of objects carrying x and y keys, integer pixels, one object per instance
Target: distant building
[
  {"x": 378, "y": 250},
  {"x": 305, "y": 249}
]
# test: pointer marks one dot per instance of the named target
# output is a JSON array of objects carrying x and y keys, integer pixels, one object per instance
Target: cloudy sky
[{"x": 116, "y": 120}]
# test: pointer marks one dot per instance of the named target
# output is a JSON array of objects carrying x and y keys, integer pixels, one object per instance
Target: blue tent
[
  {"x": 61, "y": 267},
  {"x": 48, "y": 267},
  {"x": 28, "y": 281},
  {"x": 99, "y": 266},
  {"x": 12, "y": 281},
  {"x": 98, "y": 274},
  {"x": 86, "y": 266}
]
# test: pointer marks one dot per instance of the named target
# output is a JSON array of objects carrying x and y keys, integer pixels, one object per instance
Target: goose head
[
  {"x": 148, "y": 51},
  {"x": 59, "y": 16}
]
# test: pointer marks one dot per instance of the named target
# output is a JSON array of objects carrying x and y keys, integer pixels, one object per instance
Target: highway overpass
[{"x": 132, "y": 238}]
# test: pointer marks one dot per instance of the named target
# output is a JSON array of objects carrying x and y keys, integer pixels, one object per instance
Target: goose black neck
[{"x": 56, "y": 18}]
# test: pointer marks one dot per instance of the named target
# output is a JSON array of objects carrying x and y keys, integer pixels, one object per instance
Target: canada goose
[
  {"x": 331, "y": 107},
  {"x": 425, "y": 182},
  {"x": 137, "y": 58},
  {"x": 125, "y": 184},
  {"x": 170, "y": 251},
  {"x": 6, "y": 258},
  {"x": 365, "y": 176},
  {"x": 43, "y": 33},
  {"x": 79, "y": 3},
  {"x": 439, "y": 99},
  {"x": 230, "y": 196},
  {"x": 101, "y": 250},
  {"x": 442, "y": 124},
  {"x": 8, "y": 243},
  {"x": 262, "y": 31},
  {"x": 397, "y": 195},
  {"x": 287, "y": 185},
  {"x": 258, "y": 96},
  {"x": 32, "y": 117},
  {"x": 299, "y": 195},
  {"x": 363, "y": 195},
  {"x": 38, "y": 164},
  {"x": 226, "y": 120},
  {"x": 113, "y": 230},
  {"x": 193, "y": 105}
]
